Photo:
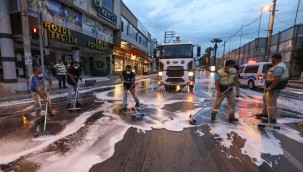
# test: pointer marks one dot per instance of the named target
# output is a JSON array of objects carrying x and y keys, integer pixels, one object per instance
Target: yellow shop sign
[{"x": 59, "y": 33}]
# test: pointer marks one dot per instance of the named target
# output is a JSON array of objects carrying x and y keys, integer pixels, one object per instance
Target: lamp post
[
  {"x": 272, "y": 19},
  {"x": 264, "y": 8}
]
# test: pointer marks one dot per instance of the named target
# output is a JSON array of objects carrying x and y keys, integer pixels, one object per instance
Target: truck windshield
[{"x": 176, "y": 51}]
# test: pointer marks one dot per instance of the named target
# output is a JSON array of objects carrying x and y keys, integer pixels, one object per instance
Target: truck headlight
[
  {"x": 190, "y": 73},
  {"x": 160, "y": 73}
]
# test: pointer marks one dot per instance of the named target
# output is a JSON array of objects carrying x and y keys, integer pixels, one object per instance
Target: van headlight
[
  {"x": 190, "y": 73},
  {"x": 160, "y": 73}
]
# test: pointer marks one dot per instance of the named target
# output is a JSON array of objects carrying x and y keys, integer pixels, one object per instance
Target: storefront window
[{"x": 118, "y": 65}]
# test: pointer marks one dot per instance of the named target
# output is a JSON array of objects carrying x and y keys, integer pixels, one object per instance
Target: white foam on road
[
  {"x": 99, "y": 143},
  {"x": 15, "y": 149},
  {"x": 256, "y": 143}
]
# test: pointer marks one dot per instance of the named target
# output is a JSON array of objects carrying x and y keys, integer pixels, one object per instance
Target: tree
[
  {"x": 216, "y": 41},
  {"x": 202, "y": 60},
  {"x": 208, "y": 54}
]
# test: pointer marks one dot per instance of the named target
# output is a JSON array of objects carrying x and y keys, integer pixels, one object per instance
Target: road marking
[{"x": 293, "y": 160}]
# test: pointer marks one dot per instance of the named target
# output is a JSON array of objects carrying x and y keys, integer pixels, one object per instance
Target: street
[{"x": 99, "y": 138}]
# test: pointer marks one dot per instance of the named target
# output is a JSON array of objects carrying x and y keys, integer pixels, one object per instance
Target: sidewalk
[
  {"x": 296, "y": 83},
  {"x": 101, "y": 81}
]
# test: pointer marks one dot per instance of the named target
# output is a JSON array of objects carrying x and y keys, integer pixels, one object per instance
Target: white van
[{"x": 252, "y": 74}]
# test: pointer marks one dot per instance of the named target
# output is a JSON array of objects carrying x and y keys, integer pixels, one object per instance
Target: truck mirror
[{"x": 198, "y": 51}]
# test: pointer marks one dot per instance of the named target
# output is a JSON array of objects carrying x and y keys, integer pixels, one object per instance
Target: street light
[{"x": 265, "y": 8}]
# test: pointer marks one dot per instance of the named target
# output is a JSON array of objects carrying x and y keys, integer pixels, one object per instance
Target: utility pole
[
  {"x": 260, "y": 23},
  {"x": 40, "y": 40},
  {"x": 168, "y": 34},
  {"x": 270, "y": 31},
  {"x": 229, "y": 47},
  {"x": 297, "y": 12},
  {"x": 224, "y": 50},
  {"x": 240, "y": 46}
]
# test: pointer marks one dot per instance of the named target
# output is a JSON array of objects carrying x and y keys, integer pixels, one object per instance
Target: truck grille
[
  {"x": 174, "y": 80},
  {"x": 175, "y": 71}
]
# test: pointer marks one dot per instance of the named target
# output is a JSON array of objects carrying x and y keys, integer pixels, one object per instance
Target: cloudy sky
[{"x": 201, "y": 20}]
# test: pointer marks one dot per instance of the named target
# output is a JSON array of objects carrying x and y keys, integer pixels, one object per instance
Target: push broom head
[
  {"x": 137, "y": 116},
  {"x": 44, "y": 135},
  {"x": 269, "y": 126},
  {"x": 192, "y": 119}
]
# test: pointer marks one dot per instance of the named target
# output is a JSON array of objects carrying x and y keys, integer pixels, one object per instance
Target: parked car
[{"x": 252, "y": 74}]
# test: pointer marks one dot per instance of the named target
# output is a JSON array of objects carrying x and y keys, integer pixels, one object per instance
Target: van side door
[
  {"x": 241, "y": 75},
  {"x": 251, "y": 73}
]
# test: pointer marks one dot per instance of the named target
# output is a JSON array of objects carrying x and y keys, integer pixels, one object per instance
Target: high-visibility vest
[
  {"x": 283, "y": 80},
  {"x": 226, "y": 79}
]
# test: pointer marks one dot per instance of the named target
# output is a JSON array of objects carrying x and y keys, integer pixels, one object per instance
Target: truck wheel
[{"x": 251, "y": 85}]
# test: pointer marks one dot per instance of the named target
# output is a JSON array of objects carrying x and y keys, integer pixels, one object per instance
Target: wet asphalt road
[{"x": 155, "y": 150}]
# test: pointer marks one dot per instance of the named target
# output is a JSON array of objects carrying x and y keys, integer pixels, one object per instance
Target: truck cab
[{"x": 176, "y": 65}]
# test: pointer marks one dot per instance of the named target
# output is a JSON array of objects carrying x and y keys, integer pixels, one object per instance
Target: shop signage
[
  {"x": 60, "y": 33},
  {"x": 107, "y": 15},
  {"x": 100, "y": 45},
  {"x": 69, "y": 36}
]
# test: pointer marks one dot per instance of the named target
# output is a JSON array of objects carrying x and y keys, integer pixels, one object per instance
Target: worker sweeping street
[
  {"x": 128, "y": 78},
  {"x": 225, "y": 78},
  {"x": 74, "y": 74},
  {"x": 276, "y": 79},
  {"x": 38, "y": 91}
]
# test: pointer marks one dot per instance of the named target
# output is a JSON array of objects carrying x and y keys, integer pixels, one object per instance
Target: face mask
[
  {"x": 128, "y": 72},
  {"x": 40, "y": 75},
  {"x": 231, "y": 69},
  {"x": 76, "y": 67}
]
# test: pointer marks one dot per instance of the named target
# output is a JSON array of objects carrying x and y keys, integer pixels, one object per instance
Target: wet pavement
[{"x": 99, "y": 138}]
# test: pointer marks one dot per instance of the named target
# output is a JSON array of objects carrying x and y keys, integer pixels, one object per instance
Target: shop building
[
  {"x": 70, "y": 30},
  {"x": 155, "y": 60},
  {"x": 132, "y": 44}
]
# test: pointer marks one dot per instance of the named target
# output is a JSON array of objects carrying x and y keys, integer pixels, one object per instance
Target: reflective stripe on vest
[
  {"x": 227, "y": 78},
  {"x": 283, "y": 80}
]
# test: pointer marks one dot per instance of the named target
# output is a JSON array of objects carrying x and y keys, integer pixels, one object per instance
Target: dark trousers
[{"x": 62, "y": 78}]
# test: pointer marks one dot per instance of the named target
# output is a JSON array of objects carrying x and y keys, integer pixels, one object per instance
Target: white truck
[{"x": 176, "y": 68}]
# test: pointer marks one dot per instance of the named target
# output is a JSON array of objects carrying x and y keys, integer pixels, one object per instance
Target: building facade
[
  {"x": 103, "y": 36},
  {"x": 131, "y": 44},
  {"x": 284, "y": 42}
]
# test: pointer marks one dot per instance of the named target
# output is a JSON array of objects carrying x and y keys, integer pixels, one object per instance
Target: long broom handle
[
  {"x": 131, "y": 101},
  {"x": 266, "y": 99},
  {"x": 213, "y": 100},
  {"x": 45, "y": 116},
  {"x": 77, "y": 89}
]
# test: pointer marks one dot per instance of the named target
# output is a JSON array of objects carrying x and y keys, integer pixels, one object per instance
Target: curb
[{"x": 28, "y": 96}]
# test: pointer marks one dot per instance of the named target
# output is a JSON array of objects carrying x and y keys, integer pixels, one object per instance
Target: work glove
[{"x": 49, "y": 89}]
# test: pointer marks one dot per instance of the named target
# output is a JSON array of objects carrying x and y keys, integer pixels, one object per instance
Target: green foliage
[{"x": 202, "y": 60}]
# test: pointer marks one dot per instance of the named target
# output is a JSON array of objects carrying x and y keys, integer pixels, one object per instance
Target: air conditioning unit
[{"x": 96, "y": 3}]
